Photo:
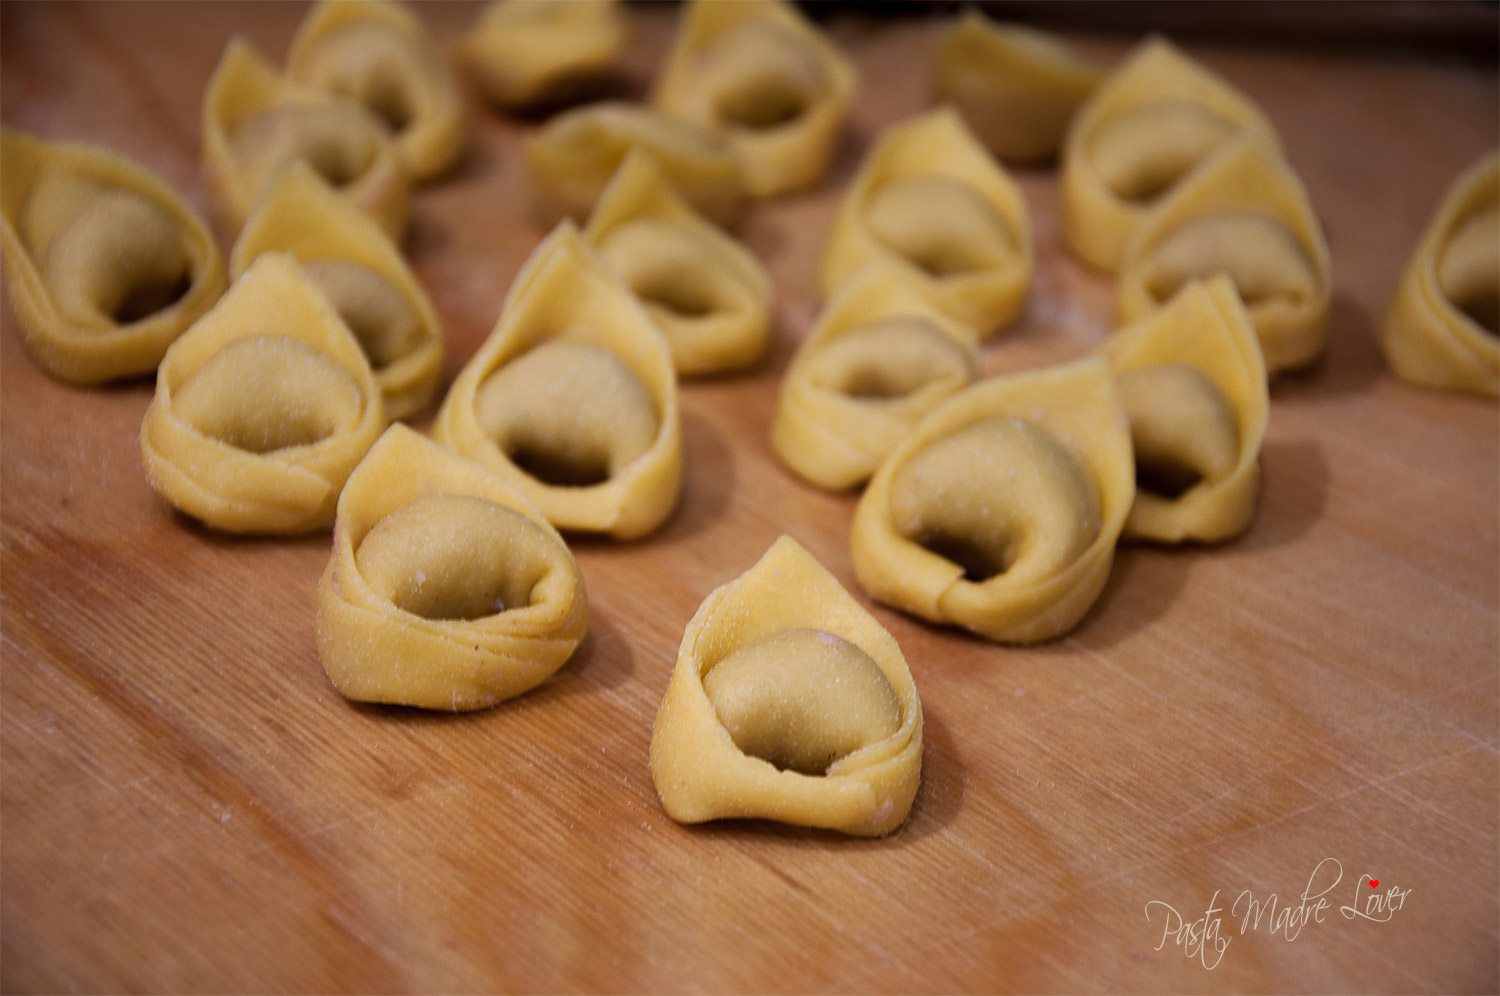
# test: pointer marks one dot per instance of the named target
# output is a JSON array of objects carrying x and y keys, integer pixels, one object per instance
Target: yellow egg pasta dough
[
  {"x": 378, "y": 53},
  {"x": 930, "y": 198},
  {"x": 879, "y": 357},
  {"x": 1149, "y": 124},
  {"x": 106, "y": 265},
  {"x": 446, "y": 589},
  {"x": 363, "y": 275},
  {"x": 708, "y": 294},
  {"x": 1245, "y": 214},
  {"x": 262, "y": 408},
  {"x": 1443, "y": 330},
  {"x": 788, "y": 702},
  {"x": 1193, "y": 383},
  {"x": 1000, "y": 511},
  {"x": 256, "y": 121},
  {"x": 761, "y": 75},
  {"x": 1017, "y": 88},
  {"x": 572, "y": 398},
  {"x": 524, "y": 53}
]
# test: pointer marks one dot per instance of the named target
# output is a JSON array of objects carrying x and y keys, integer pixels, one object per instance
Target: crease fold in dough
[
  {"x": 572, "y": 158},
  {"x": 764, "y": 77},
  {"x": 1243, "y": 213},
  {"x": 930, "y": 199},
  {"x": 382, "y": 638},
  {"x": 368, "y": 282},
  {"x": 1442, "y": 329},
  {"x": 879, "y": 357},
  {"x": 699, "y": 771},
  {"x": 106, "y": 265},
  {"x": 378, "y": 53},
  {"x": 1149, "y": 124},
  {"x": 595, "y": 399},
  {"x": 1017, "y": 88},
  {"x": 262, "y": 408},
  {"x": 256, "y": 121},
  {"x": 524, "y": 53},
  {"x": 1212, "y": 435},
  {"x": 1000, "y": 511},
  {"x": 707, "y": 293}
]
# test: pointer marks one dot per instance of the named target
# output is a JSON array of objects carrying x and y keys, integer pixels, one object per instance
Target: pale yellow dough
[
  {"x": 1193, "y": 382},
  {"x": 1243, "y": 213},
  {"x": 522, "y": 52},
  {"x": 788, "y": 702},
  {"x": 1016, "y": 87},
  {"x": 879, "y": 357},
  {"x": 930, "y": 199},
  {"x": 709, "y": 295},
  {"x": 446, "y": 589},
  {"x": 106, "y": 265},
  {"x": 361, "y": 272},
  {"x": 572, "y": 158},
  {"x": 262, "y": 408},
  {"x": 1444, "y": 322},
  {"x": 763, "y": 76},
  {"x": 378, "y": 53},
  {"x": 1149, "y": 124},
  {"x": 1000, "y": 511},
  {"x": 575, "y": 385},
  {"x": 256, "y": 121}
]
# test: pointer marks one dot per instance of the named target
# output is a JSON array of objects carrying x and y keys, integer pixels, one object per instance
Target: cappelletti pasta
[
  {"x": 1443, "y": 329},
  {"x": 1193, "y": 383},
  {"x": 378, "y": 53},
  {"x": 1149, "y": 125},
  {"x": 105, "y": 263},
  {"x": 573, "y": 398},
  {"x": 262, "y": 408},
  {"x": 1000, "y": 511},
  {"x": 788, "y": 702},
  {"x": 522, "y": 52},
  {"x": 930, "y": 198},
  {"x": 361, "y": 272},
  {"x": 879, "y": 357},
  {"x": 256, "y": 121},
  {"x": 1245, "y": 214},
  {"x": 760, "y": 74},
  {"x": 446, "y": 588},
  {"x": 706, "y": 292}
]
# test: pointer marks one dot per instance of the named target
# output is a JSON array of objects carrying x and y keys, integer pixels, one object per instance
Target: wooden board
[{"x": 188, "y": 805}]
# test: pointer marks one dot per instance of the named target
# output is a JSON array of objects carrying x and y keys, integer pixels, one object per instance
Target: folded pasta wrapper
[
  {"x": 375, "y": 649},
  {"x": 880, "y": 356},
  {"x": 1028, "y": 480},
  {"x": 1204, "y": 329},
  {"x": 572, "y": 158},
  {"x": 255, "y": 121},
  {"x": 523, "y": 53},
  {"x": 762, "y": 75},
  {"x": 1149, "y": 124},
  {"x": 262, "y": 408},
  {"x": 566, "y": 296},
  {"x": 702, "y": 774},
  {"x": 384, "y": 305},
  {"x": 106, "y": 264},
  {"x": 1243, "y": 213},
  {"x": 708, "y": 294},
  {"x": 929, "y": 198},
  {"x": 1016, "y": 87},
  {"x": 1442, "y": 331},
  {"x": 379, "y": 53}
]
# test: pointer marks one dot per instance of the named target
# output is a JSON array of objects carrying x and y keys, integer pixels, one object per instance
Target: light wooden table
[{"x": 188, "y": 805}]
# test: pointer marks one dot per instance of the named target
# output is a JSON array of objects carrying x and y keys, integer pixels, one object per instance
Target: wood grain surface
[{"x": 188, "y": 806}]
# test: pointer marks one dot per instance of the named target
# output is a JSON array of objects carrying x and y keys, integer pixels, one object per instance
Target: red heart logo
[{"x": 1374, "y": 882}]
